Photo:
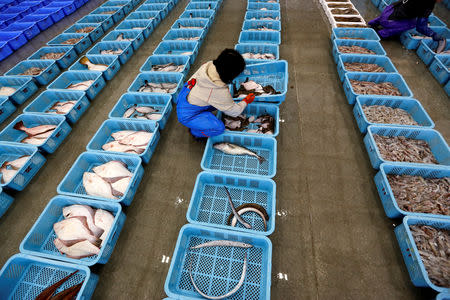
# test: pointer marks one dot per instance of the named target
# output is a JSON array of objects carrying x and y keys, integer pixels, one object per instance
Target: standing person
[{"x": 207, "y": 91}]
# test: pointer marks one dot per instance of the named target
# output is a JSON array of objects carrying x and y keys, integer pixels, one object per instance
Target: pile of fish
[
  {"x": 83, "y": 230},
  {"x": 10, "y": 168},
  {"x": 266, "y": 19},
  {"x": 233, "y": 149},
  {"x": 138, "y": 28},
  {"x": 355, "y": 49},
  {"x": 85, "y": 29},
  {"x": 80, "y": 86},
  {"x": 142, "y": 113},
  {"x": 91, "y": 66},
  {"x": 265, "y": 123},
  {"x": 35, "y": 135},
  {"x": 7, "y": 91},
  {"x": 249, "y": 55},
  {"x": 400, "y": 148},
  {"x": 262, "y": 28},
  {"x": 251, "y": 87},
  {"x": 121, "y": 38},
  {"x": 111, "y": 52},
  {"x": 72, "y": 41},
  {"x": 129, "y": 141},
  {"x": 194, "y": 38},
  {"x": 434, "y": 249},
  {"x": 388, "y": 115},
  {"x": 421, "y": 195},
  {"x": 183, "y": 53},
  {"x": 33, "y": 71},
  {"x": 152, "y": 87},
  {"x": 67, "y": 294},
  {"x": 170, "y": 67},
  {"x": 344, "y": 11},
  {"x": 350, "y": 38},
  {"x": 347, "y": 19},
  {"x": 109, "y": 180},
  {"x": 53, "y": 55},
  {"x": 373, "y": 88},
  {"x": 188, "y": 27},
  {"x": 61, "y": 107},
  {"x": 363, "y": 67},
  {"x": 351, "y": 25}
]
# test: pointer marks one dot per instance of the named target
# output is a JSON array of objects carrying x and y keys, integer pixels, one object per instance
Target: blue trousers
[{"x": 392, "y": 27}]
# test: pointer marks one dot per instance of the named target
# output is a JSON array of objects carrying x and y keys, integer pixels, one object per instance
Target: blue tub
[
  {"x": 447, "y": 88},
  {"x": 5, "y": 50},
  {"x": 6, "y": 108},
  {"x": 14, "y": 39},
  {"x": 50, "y": 70},
  {"x": 178, "y": 48},
  {"x": 29, "y": 29},
  {"x": 357, "y": 33},
  {"x": 72, "y": 184},
  {"x": 434, "y": 21},
  {"x": 117, "y": 12},
  {"x": 185, "y": 34},
  {"x": 259, "y": 25},
  {"x": 9, "y": 18},
  {"x": 42, "y": 21},
  {"x": 64, "y": 61},
  {"x": 202, "y": 24},
  {"x": 426, "y": 50},
  {"x": 217, "y": 161},
  {"x": 80, "y": 46},
  {"x": 162, "y": 7},
  {"x": 49, "y": 145},
  {"x": 412, "y": 43},
  {"x": 263, "y": 6},
  {"x": 34, "y": 5},
  {"x": 209, "y": 203},
  {"x": 170, "y": 3},
  {"x": 258, "y": 48},
  {"x": 136, "y": 37},
  {"x": 396, "y": 79},
  {"x": 110, "y": 60},
  {"x": 93, "y": 35},
  {"x": 127, "y": 50},
  {"x": 212, "y": 5},
  {"x": 260, "y": 37},
  {"x": 21, "y": 10},
  {"x": 56, "y": 13},
  {"x": 161, "y": 102},
  {"x": 371, "y": 45},
  {"x": 67, "y": 6},
  {"x": 165, "y": 59},
  {"x": 412, "y": 106},
  {"x": 145, "y": 26},
  {"x": 440, "y": 68},
  {"x": 127, "y": 5},
  {"x": 26, "y": 276},
  {"x": 72, "y": 77},
  {"x": 199, "y": 14},
  {"x": 25, "y": 87},
  {"x": 438, "y": 146},
  {"x": 154, "y": 16},
  {"x": 380, "y": 60},
  {"x": 444, "y": 296},
  {"x": 106, "y": 20},
  {"x": 49, "y": 97},
  {"x": 216, "y": 270},
  {"x": 5, "y": 201},
  {"x": 158, "y": 77},
  {"x": 103, "y": 136}
]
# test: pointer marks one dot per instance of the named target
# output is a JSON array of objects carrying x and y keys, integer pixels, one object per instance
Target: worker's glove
[
  {"x": 191, "y": 83},
  {"x": 249, "y": 99}
]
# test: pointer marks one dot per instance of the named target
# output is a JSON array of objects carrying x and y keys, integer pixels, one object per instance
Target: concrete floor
[{"x": 332, "y": 238}]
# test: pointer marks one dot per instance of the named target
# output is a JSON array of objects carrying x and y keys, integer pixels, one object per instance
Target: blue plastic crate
[
  {"x": 443, "y": 296},
  {"x": 72, "y": 184},
  {"x": 438, "y": 146},
  {"x": 217, "y": 161},
  {"x": 387, "y": 196},
  {"x": 185, "y": 34},
  {"x": 154, "y": 16},
  {"x": 209, "y": 202},
  {"x": 380, "y": 60},
  {"x": 371, "y": 45},
  {"x": 395, "y": 78},
  {"x": 103, "y": 135},
  {"x": 158, "y": 77},
  {"x": 93, "y": 35},
  {"x": 117, "y": 12},
  {"x": 6, "y": 108},
  {"x": 39, "y": 240},
  {"x": 382, "y": 5},
  {"x": 9, "y": 152},
  {"x": 261, "y": 6},
  {"x": 212, "y": 5},
  {"x": 29, "y": 29},
  {"x": 25, "y": 87},
  {"x": 357, "y": 33},
  {"x": 136, "y": 37},
  {"x": 106, "y": 20},
  {"x": 412, "y": 43},
  {"x": 64, "y": 61},
  {"x": 56, "y": 13},
  {"x": 274, "y": 73},
  {"x": 200, "y": 24},
  {"x": 50, "y": 70},
  {"x": 26, "y": 276},
  {"x": 146, "y": 26},
  {"x": 260, "y": 25},
  {"x": 165, "y": 59},
  {"x": 161, "y": 102},
  {"x": 412, "y": 106},
  {"x": 162, "y": 7},
  {"x": 9, "y": 18},
  {"x": 411, "y": 255},
  {"x": 435, "y": 22},
  {"x": 110, "y": 60},
  {"x": 49, "y": 97},
  {"x": 5, "y": 201},
  {"x": 42, "y": 21},
  {"x": 170, "y": 3},
  {"x": 21, "y": 10},
  {"x": 440, "y": 68},
  {"x": 14, "y": 39},
  {"x": 271, "y": 1},
  {"x": 260, "y": 37},
  {"x": 72, "y": 77},
  {"x": 199, "y": 14},
  {"x": 126, "y": 4},
  {"x": 5, "y": 50},
  {"x": 125, "y": 46},
  {"x": 33, "y": 5},
  {"x": 447, "y": 88},
  {"x": 258, "y": 48},
  {"x": 426, "y": 50},
  {"x": 216, "y": 270},
  {"x": 78, "y": 3},
  {"x": 67, "y": 6},
  {"x": 80, "y": 46}
]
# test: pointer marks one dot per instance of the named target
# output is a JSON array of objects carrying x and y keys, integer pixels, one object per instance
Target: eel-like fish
[
  {"x": 69, "y": 293},
  {"x": 253, "y": 207},
  {"x": 236, "y": 215},
  {"x": 48, "y": 292},
  {"x": 223, "y": 243}
]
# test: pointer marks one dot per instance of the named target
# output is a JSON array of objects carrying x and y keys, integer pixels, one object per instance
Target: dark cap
[{"x": 229, "y": 65}]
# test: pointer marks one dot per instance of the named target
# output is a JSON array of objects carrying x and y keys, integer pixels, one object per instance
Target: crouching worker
[{"x": 207, "y": 91}]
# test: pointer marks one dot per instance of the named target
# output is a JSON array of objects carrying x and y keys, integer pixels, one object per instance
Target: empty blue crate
[
  {"x": 103, "y": 136},
  {"x": 145, "y": 26},
  {"x": 44, "y": 102},
  {"x": 10, "y": 152},
  {"x": 199, "y": 14},
  {"x": 247, "y": 49},
  {"x": 440, "y": 68},
  {"x": 261, "y": 25},
  {"x": 15, "y": 39},
  {"x": 5, "y": 50},
  {"x": 127, "y": 5},
  {"x": 26, "y": 276},
  {"x": 29, "y": 29},
  {"x": 6, "y": 108},
  {"x": 380, "y": 60},
  {"x": 49, "y": 70},
  {"x": 212, "y": 5},
  {"x": 49, "y": 144},
  {"x": 217, "y": 270},
  {"x": 202, "y": 24},
  {"x": 56, "y": 13},
  {"x": 178, "y": 60},
  {"x": 387, "y": 196},
  {"x": 106, "y": 21},
  {"x": 427, "y": 48},
  {"x": 136, "y": 37},
  {"x": 67, "y": 55},
  {"x": 355, "y": 33},
  {"x": 417, "y": 271},
  {"x": 374, "y": 46},
  {"x": 434, "y": 139},
  {"x": 266, "y": 147},
  {"x": 158, "y": 77},
  {"x": 209, "y": 202},
  {"x": 80, "y": 41},
  {"x": 116, "y": 12},
  {"x": 94, "y": 34},
  {"x": 124, "y": 46},
  {"x": 154, "y": 16},
  {"x": 394, "y": 78},
  {"x": 162, "y": 7},
  {"x": 185, "y": 34},
  {"x": 263, "y": 37},
  {"x": 39, "y": 240},
  {"x": 72, "y": 184},
  {"x": 411, "y": 39},
  {"x": 73, "y": 77},
  {"x": 109, "y": 60},
  {"x": 24, "y": 87},
  {"x": 274, "y": 73},
  {"x": 412, "y": 106},
  {"x": 5, "y": 201},
  {"x": 67, "y": 6},
  {"x": 161, "y": 103}
]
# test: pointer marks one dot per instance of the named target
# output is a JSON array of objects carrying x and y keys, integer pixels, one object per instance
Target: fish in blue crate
[
  {"x": 252, "y": 87},
  {"x": 264, "y": 124},
  {"x": 10, "y": 168},
  {"x": 157, "y": 87},
  {"x": 7, "y": 91},
  {"x": 128, "y": 141},
  {"x": 143, "y": 112},
  {"x": 169, "y": 67},
  {"x": 80, "y": 86},
  {"x": 68, "y": 293},
  {"x": 374, "y": 88},
  {"x": 36, "y": 135},
  {"x": 233, "y": 149},
  {"x": 33, "y": 71},
  {"x": 91, "y": 66}
]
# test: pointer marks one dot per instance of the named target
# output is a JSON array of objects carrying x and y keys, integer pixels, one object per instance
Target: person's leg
[
  {"x": 206, "y": 124},
  {"x": 383, "y": 16},
  {"x": 394, "y": 28}
]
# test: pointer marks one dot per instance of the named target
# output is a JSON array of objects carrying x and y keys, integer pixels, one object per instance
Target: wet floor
[{"x": 332, "y": 239}]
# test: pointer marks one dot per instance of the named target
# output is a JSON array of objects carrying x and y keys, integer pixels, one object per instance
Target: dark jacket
[{"x": 411, "y": 9}]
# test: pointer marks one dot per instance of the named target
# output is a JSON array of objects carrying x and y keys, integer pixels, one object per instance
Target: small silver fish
[
  {"x": 222, "y": 243},
  {"x": 233, "y": 149},
  {"x": 238, "y": 217}
]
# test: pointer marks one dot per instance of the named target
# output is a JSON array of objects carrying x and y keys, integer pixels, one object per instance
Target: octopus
[
  {"x": 85, "y": 29},
  {"x": 373, "y": 88},
  {"x": 355, "y": 49},
  {"x": 388, "y": 115},
  {"x": 52, "y": 55},
  {"x": 33, "y": 71},
  {"x": 72, "y": 41}
]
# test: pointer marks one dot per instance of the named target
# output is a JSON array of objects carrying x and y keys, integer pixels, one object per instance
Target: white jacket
[{"x": 211, "y": 90}]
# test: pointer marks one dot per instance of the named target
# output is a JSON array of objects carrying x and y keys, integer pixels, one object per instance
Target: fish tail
[
  {"x": 19, "y": 126},
  {"x": 84, "y": 60},
  {"x": 261, "y": 159}
]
